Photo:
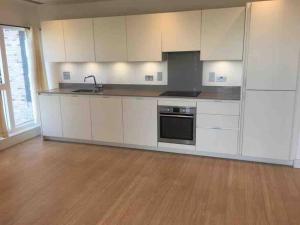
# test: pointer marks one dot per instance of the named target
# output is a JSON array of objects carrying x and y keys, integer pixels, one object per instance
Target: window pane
[{"x": 15, "y": 44}]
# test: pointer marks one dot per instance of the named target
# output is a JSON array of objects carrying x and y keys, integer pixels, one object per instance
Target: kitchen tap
[{"x": 97, "y": 87}]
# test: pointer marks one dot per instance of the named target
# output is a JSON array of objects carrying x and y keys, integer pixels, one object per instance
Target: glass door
[{"x": 16, "y": 88}]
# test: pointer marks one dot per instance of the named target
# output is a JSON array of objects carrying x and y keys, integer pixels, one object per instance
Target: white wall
[
  {"x": 108, "y": 73},
  {"x": 14, "y": 12},
  {"x": 231, "y": 70}
]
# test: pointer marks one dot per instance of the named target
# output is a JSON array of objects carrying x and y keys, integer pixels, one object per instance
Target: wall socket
[
  {"x": 221, "y": 78},
  {"x": 212, "y": 77},
  {"x": 149, "y": 78},
  {"x": 159, "y": 76},
  {"x": 66, "y": 75}
]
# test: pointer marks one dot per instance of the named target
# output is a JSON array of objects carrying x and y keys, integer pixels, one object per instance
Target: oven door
[{"x": 177, "y": 128}]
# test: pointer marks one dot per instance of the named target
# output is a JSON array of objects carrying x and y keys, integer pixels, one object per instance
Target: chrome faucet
[{"x": 97, "y": 87}]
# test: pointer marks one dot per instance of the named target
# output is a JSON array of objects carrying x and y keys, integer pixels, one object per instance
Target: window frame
[{"x": 5, "y": 87}]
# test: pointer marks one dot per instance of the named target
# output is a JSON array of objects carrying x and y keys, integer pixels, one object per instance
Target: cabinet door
[
  {"x": 79, "y": 40},
  {"x": 144, "y": 37},
  {"x": 106, "y": 113},
  {"x": 268, "y": 124},
  {"x": 53, "y": 41},
  {"x": 110, "y": 39},
  {"x": 76, "y": 117},
  {"x": 140, "y": 121},
  {"x": 50, "y": 115},
  {"x": 217, "y": 141},
  {"x": 273, "y": 46},
  {"x": 222, "y": 34},
  {"x": 181, "y": 31}
]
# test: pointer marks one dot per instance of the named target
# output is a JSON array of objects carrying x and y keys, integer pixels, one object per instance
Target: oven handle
[{"x": 178, "y": 116}]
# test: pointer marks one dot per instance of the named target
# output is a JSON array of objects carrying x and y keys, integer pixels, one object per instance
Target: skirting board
[
  {"x": 297, "y": 163},
  {"x": 19, "y": 138},
  {"x": 176, "y": 150}
]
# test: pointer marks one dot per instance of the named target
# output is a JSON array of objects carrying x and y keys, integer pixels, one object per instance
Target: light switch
[
  {"x": 159, "y": 76},
  {"x": 212, "y": 77}
]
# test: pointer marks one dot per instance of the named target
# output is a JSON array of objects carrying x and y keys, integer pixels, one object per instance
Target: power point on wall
[
  {"x": 66, "y": 75},
  {"x": 159, "y": 76},
  {"x": 149, "y": 78},
  {"x": 221, "y": 78},
  {"x": 212, "y": 77}
]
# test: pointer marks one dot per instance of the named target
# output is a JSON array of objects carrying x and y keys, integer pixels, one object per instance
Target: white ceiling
[{"x": 203, "y": 2}]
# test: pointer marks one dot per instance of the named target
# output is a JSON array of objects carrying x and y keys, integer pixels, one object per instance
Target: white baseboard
[
  {"x": 20, "y": 137},
  {"x": 171, "y": 149},
  {"x": 297, "y": 163}
]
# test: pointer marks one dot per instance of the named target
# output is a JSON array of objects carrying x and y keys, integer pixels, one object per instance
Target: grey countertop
[{"x": 206, "y": 94}]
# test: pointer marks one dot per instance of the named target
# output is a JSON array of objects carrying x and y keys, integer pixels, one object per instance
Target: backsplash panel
[
  {"x": 222, "y": 73},
  {"x": 109, "y": 73}
]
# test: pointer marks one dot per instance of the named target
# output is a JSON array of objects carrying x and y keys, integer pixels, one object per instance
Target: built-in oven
[{"x": 177, "y": 125}]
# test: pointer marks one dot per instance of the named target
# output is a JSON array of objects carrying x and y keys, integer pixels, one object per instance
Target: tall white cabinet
[
  {"x": 140, "y": 121},
  {"x": 272, "y": 58},
  {"x": 268, "y": 124},
  {"x": 273, "y": 46},
  {"x": 144, "y": 37}
]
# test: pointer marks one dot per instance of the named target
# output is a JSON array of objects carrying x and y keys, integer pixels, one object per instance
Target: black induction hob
[{"x": 181, "y": 93}]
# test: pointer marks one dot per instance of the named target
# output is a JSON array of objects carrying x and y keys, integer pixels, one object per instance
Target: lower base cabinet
[
  {"x": 76, "y": 118},
  {"x": 140, "y": 121},
  {"x": 224, "y": 141},
  {"x": 50, "y": 115},
  {"x": 106, "y": 115}
]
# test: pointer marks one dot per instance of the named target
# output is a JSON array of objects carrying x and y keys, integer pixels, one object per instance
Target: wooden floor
[{"x": 51, "y": 183}]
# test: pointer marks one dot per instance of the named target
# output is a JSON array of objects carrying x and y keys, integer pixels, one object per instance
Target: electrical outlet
[
  {"x": 149, "y": 78},
  {"x": 66, "y": 75},
  {"x": 221, "y": 78},
  {"x": 159, "y": 76},
  {"x": 212, "y": 77}
]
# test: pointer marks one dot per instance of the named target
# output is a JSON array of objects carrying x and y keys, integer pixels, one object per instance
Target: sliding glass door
[{"x": 16, "y": 82}]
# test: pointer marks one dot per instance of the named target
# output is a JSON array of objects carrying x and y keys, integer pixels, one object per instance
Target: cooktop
[{"x": 181, "y": 93}]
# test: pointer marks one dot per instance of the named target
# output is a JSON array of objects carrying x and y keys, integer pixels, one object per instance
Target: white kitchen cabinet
[
  {"x": 273, "y": 46},
  {"x": 76, "y": 118},
  {"x": 110, "y": 39},
  {"x": 79, "y": 40},
  {"x": 144, "y": 37},
  {"x": 222, "y": 34},
  {"x": 181, "y": 31},
  {"x": 140, "y": 121},
  {"x": 224, "y": 141},
  {"x": 217, "y": 121},
  {"x": 106, "y": 115},
  {"x": 218, "y": 107},
  {"x": 268, "y": 122},
  {"x": 53, "y": 41},
  {"x": 50, "y": 115}
]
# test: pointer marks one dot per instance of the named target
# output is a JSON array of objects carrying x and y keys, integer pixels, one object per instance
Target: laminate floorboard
[{"x": 55, "y": 183}]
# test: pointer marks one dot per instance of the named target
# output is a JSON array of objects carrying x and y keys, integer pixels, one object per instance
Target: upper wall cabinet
[
  {"x": 181, "y": 31},
  {"x": 144, "y": 37},
  {"x": 273, "y": 46},
  {"x": 222, "y": 34},
  {"x": 79, "y": 40},
  {"x": 53, "y": 41},
  {"x": 110, "y": 39}
]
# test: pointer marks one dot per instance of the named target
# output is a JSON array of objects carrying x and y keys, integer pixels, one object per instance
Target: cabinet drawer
[
  {"x": 217, "y": 121},
  {"x": 217, "y": 140},
  {"x": 221, "y": 108}
]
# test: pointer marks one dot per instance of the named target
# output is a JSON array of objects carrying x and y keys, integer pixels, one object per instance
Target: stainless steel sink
[{"x": 87, "y": 91}]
